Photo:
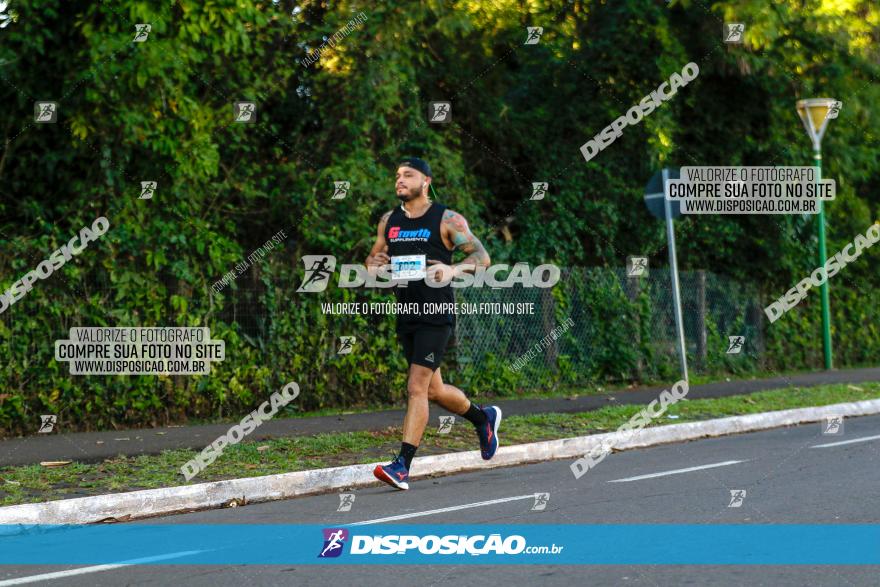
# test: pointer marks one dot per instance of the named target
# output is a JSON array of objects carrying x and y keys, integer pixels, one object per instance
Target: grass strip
[{"x": 35, "y": 483}]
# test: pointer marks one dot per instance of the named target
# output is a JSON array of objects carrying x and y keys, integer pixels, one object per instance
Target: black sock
[
  {"x": 407, "y": 451},
  {"x": 475, "y": 415}
]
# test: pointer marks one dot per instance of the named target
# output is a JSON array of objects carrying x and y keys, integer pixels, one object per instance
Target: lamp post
[{"x": 814, "y": 114}]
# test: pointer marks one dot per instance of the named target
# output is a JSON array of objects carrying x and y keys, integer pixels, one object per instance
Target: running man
[
  {"x": 426, "y": 234},
  {"x": 320, "y": 272},
  {"x": 334, "y": 543}
]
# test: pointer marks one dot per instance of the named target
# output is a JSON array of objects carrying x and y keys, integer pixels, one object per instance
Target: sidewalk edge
[{"x": 171, "y": 500}]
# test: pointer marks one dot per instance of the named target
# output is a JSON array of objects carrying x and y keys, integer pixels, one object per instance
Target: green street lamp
[{"x": 814, "y": 114}]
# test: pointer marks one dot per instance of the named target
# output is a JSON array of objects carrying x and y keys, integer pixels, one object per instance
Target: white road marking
[
  {"x": 842, "y": 442},
  {"x": 443, "y": 510},
  {"x": 96, "y": 569},
  {"x": 675, "y": 472}
]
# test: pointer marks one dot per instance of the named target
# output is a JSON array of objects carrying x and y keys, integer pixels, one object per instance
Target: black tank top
[{"x": 420, "y": 236}]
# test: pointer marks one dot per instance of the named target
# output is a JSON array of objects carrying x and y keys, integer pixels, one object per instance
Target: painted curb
[{"x": 170, "y": 500}]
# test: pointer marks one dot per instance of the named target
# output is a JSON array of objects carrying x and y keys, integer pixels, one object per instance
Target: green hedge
[{"x": 162, "y": 111}]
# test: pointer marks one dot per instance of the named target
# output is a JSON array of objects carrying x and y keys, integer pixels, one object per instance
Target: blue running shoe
[
  {"x": 395, "y": 474},
  {"x": 488, "y": 432}
]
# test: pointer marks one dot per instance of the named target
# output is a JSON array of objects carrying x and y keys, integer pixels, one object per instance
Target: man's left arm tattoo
[{"x": 464, "y": 240}]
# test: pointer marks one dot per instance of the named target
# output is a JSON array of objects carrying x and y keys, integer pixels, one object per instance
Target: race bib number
[{"x": 407, "y": 267}]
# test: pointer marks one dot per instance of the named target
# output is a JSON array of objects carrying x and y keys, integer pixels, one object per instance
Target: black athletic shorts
[{"x": 424, "y": 344}]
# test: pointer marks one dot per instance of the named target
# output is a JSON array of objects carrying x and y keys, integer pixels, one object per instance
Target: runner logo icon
[
  {"x": 334, "y": 541},
  {"x": 319, "y": 268}
]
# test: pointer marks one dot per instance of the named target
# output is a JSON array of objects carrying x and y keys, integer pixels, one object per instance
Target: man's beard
[{"x": 409, "y": 195}]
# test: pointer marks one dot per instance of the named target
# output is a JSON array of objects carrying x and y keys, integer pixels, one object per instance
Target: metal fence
[{"x": 620, "y": 327}]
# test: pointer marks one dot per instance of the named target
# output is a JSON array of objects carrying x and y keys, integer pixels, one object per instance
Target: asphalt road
[{"x": 787, "y": 480}]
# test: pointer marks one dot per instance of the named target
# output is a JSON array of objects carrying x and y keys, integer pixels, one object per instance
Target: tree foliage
[{"x": 161, "y": 110}]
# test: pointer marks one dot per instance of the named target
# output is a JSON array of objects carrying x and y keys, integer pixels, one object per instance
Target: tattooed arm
[
  {"x": 379, "y": 253},
  {"x": 456, "y": 231}
]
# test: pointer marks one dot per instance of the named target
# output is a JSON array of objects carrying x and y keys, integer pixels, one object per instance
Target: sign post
[{"x": 659, "y": 206}]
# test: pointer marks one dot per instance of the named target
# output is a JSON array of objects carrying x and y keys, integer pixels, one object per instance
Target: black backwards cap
[{"x": 416, "y": 163}]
